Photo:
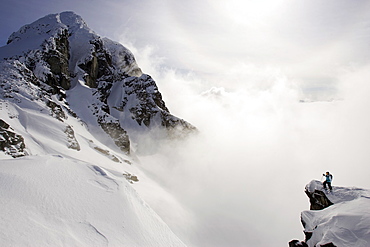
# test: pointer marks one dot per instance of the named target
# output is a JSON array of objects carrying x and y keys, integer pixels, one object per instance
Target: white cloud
[
  {"x": 242, "y": 178},
  {"x": 307, "y": 41}
]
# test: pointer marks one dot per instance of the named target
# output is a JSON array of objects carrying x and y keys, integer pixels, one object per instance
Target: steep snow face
[
  {"x": 345, "y": 223},
  {"x": 53, "y": 200}
]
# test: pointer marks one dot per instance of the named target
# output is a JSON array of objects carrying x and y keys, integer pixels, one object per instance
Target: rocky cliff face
[
  {"x": 10, "y": 142},
  {"x": 318, "y": 201},
  {"x": 338, "y": 218},
  {"x": 60, "y": 63}
]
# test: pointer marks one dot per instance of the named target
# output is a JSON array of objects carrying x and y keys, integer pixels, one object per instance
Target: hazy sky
[
  {"x": 226, "y": 41},
  {"x": 237, "y": 70}
]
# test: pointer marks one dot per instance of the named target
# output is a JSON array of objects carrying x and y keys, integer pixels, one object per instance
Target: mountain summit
[
  {"x": 59, "y": 64},
  {"x": 75, "y": 108}
]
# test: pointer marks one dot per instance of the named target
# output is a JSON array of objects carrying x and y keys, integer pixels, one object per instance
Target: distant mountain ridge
[{"x": 59, "y": 65}]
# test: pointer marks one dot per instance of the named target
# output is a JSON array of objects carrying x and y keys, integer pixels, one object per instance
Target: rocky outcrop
[
  {"x": 98, "y": 65},
  {"x": 336, "y": 218},
  {"x": 141, "y": 103},
  {"x": 72, "y": 141},
  {"x": 318, "y": 199},
  {"x": 51, "y": 56},
  {"x": 10, "y": 142},
  {"x": 56, "y": 110},
  {"x": 297, "y": 243},
  {"x": 131, "y": 178},
  {"x": 118, "y": 134},
  {"x": 58, "y": 61}
]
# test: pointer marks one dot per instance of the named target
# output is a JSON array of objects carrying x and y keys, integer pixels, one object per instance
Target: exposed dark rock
[
  {"x": 118, "y": 134},
  {"x": 58, "y": 60},
  {"x": 98, "y": 66},
  {"x": 131, "y": 178},
  {"x": 149, "y": 105},
  {"x": 149, "y": 99},
  {"x": 71, "y": 138},
  {"x": 16, "y": 78},
  {"x": 56, "y": 110},
  {"x": 318, "y": 200},
  {"x": 297, "y": 243},
  {"x": 308, "y": 235},
  {"x": 11, "y": 143}
]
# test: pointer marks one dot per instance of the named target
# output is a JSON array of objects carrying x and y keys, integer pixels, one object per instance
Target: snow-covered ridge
[
  {"x": 345, "y": 223},
  {"x": 71, "y": 103},
  {"x": 58, "y": 61}
]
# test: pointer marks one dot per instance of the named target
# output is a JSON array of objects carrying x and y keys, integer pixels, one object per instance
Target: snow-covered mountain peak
[
  {"x": 67, "y": 33},
  {"x": 48, "y": 26},
  {"x": 59, "y": 62},
  {"x": 72, "y": 21},
  {"x": 71, "y": 105}
]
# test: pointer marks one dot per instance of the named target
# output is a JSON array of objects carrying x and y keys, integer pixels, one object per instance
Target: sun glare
[{"x": 250, "y": 12}]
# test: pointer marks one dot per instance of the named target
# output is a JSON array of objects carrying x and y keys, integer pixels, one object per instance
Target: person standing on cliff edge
[{"x": 328, "y": 179}]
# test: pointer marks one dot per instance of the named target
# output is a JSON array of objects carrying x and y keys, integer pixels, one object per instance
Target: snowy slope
[
  {"x": 345, "y": 223},
  {"x": 51, "y": 200},
  {"x": 67, "y": 172},
  {"x": 60, "y": 196}
]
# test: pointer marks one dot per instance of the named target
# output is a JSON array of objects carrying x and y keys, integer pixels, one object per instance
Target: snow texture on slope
[{"x": 51, "y": 200}]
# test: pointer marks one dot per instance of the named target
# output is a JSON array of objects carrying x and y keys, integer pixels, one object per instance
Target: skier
[{"x": 328, "y": 179}]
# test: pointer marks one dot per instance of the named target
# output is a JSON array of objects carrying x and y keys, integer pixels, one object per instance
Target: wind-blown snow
[{"x": 345, "y": 224}]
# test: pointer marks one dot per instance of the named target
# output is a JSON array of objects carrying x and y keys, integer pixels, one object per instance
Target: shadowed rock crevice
[{"x": 318, "y": 200}]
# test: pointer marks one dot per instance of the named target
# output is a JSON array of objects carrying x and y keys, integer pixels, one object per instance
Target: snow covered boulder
[
  {"x": 345, "y": 222},
  {"x": 318, "y": 198}
]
